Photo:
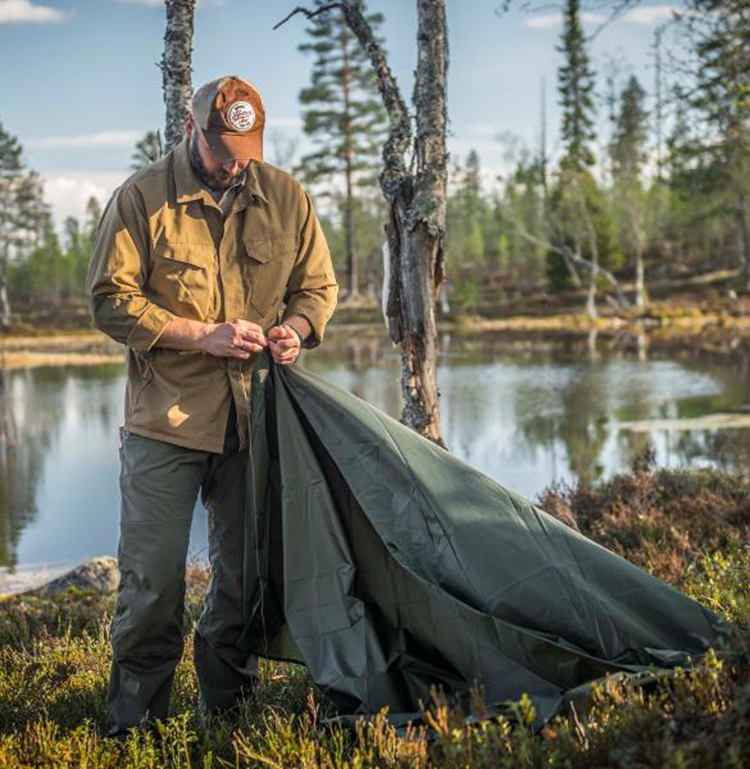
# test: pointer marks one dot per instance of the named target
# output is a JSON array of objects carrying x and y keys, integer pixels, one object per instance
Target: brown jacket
[{"x": 164, "y": 250}]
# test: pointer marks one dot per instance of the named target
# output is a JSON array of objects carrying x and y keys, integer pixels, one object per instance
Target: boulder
[{"x": 98, "y": 574}]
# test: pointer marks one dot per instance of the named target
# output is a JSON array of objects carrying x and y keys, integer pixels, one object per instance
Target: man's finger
[
  {"x": 285, "y": 344},
  {"x": 283, "y": 356},
  {"x": 254, "y": 337},
  {"x": 244, "y": 346}
]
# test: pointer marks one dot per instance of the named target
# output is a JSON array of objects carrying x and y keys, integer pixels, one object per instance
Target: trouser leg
[
  {"x": 225, "y": 673},
  {"x": 159, "y": 484}
]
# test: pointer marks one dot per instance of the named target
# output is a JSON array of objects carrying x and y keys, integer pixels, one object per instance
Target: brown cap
[{"x": 230, "y": 112}]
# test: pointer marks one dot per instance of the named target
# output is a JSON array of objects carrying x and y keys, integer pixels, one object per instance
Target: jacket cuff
[
  {"x": 148, "y": 328},
  {"x": 316, "y": 319}
]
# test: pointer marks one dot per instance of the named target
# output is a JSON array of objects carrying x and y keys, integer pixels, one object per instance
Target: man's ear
[{"x": 189, "y": 127}]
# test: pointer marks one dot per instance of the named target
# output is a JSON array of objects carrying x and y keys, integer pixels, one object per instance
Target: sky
[{"x": 80, "y": 83}]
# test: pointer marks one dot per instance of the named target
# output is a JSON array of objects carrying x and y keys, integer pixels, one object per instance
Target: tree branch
[
  {"x": 309, "y": 14},
  {"x": 395, "y": 173},
  {"x": 573, "y": 257}
]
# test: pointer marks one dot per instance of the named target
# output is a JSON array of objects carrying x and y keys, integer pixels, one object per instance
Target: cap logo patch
[{"x": 241, "y": 116}]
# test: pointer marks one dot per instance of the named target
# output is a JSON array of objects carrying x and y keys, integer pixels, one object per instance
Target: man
[{"x": 195, "y": 259}]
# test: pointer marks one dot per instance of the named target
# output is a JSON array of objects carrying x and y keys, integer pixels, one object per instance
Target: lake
[{"x": 527, "y": 414}]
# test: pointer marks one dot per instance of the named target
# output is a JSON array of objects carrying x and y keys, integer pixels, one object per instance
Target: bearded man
[{"x": 203, "y": 260}]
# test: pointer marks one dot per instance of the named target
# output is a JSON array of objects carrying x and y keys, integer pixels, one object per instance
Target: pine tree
[
  {"x": 628, "y": 152},
  {"x": 523, "y": 207},
  {"x": 466, "y": 223},
  {"x": 21, "y": 214},
  {"x": 344, "y": 117},
  {"x": 579, "y": 219},
  {"x": 721, "y": 33},
  {"x": 576, "y": 86},
  {"x": 147, "y": 150},
  {"x": 79, "y": 242}
]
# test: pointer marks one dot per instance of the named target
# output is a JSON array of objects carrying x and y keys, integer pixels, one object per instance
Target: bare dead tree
[
  {"x": 593, "y": 249},
  {"x": 571, "y": 257},
  {"x": 416, "y": 196},
  {"x": 176, "y": 68}
]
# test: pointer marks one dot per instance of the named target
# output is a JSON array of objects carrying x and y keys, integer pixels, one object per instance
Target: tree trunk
[
  {"x": 4, "y": 304},
  {"x": 351, "y": 255},
  {"x": 594, "y": 247},
  {"x": 176, "y": 68},
  {"x": 423, "y": 226},
  {"x": 417, "y": 200},
  {"x": 744, "y": 226},
  {"x": 416, "y": 222},
  {"x": 5, "y": 312},
  {"x": 640, "y": 279}
]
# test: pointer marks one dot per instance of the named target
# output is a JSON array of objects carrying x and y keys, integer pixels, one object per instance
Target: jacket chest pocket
[
  {"x": 181, "y": 277},
  {"x": 266, "y": 265}
]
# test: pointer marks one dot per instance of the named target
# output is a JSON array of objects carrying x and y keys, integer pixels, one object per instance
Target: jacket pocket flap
[
  {"x": 269, "y": 248},
  {"x": 195, "y": 254}
]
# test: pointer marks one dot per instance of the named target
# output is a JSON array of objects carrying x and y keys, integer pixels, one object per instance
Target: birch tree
[{"x": 176, "y": 68}]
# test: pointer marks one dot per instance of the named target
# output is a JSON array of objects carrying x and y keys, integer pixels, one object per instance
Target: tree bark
[
  {"x": 5, "y": 312},
  {"x": 423, "y": 226},
  {"x": 176, "y": 69}
]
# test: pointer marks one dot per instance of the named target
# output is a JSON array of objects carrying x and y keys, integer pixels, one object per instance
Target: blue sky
[{"x": 80, "y": 83}]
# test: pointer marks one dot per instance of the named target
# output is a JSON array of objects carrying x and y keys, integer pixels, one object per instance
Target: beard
[{"x": 219, "y": 180}]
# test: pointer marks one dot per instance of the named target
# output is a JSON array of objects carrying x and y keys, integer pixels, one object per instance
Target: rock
[{"x": 98, "y": 574}]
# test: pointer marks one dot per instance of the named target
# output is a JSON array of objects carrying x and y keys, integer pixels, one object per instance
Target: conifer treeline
[{"x": 612, "y": 214}]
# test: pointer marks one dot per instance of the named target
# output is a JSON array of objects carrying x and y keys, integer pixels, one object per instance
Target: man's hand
[
  {"x": 238, "y": 339},
  {"x": 284, "y": 344}
]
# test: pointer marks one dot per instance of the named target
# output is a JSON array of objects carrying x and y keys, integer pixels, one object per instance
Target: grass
[{"x": 689, "y": 528}]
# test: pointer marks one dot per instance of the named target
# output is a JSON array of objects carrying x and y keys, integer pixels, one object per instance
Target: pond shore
[{"x": 715, "y": 331}]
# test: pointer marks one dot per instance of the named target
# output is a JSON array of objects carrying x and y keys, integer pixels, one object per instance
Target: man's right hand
[{"x": 238, "y": 339}]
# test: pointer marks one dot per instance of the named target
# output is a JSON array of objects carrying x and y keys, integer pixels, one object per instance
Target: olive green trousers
[{"x": 159, "y": 484}]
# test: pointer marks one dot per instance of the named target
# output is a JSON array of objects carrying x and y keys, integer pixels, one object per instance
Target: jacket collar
[{"x": 187, "y": 186}]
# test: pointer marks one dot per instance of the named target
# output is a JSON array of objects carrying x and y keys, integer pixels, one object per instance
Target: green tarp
[{"x": 386, "y": 565}]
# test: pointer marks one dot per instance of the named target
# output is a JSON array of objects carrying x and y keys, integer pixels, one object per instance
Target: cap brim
[{"x": 235, "y": 146}]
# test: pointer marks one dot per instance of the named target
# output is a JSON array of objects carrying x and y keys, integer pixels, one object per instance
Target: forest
[{"x": 605, "y": 220}]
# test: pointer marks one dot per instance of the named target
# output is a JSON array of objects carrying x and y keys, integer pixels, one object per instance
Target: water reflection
[
  {"x": 528, "y": 415},
  {"x": 49, "y": 414}
]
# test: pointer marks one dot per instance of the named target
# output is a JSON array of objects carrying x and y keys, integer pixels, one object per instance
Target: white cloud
[
  {"x": 100, "y": 139},
  {"x": 25, "y": 12},
  {"x": 548, "y": 20},
  {"x": 69, "y": 192},
  {"x": 650, "y": 14}
]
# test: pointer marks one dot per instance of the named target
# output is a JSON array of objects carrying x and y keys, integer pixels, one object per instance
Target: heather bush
[{"x": 688, "y": 528}]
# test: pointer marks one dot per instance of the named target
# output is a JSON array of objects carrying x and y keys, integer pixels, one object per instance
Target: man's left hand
[{"x": 284, "y": 344}]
